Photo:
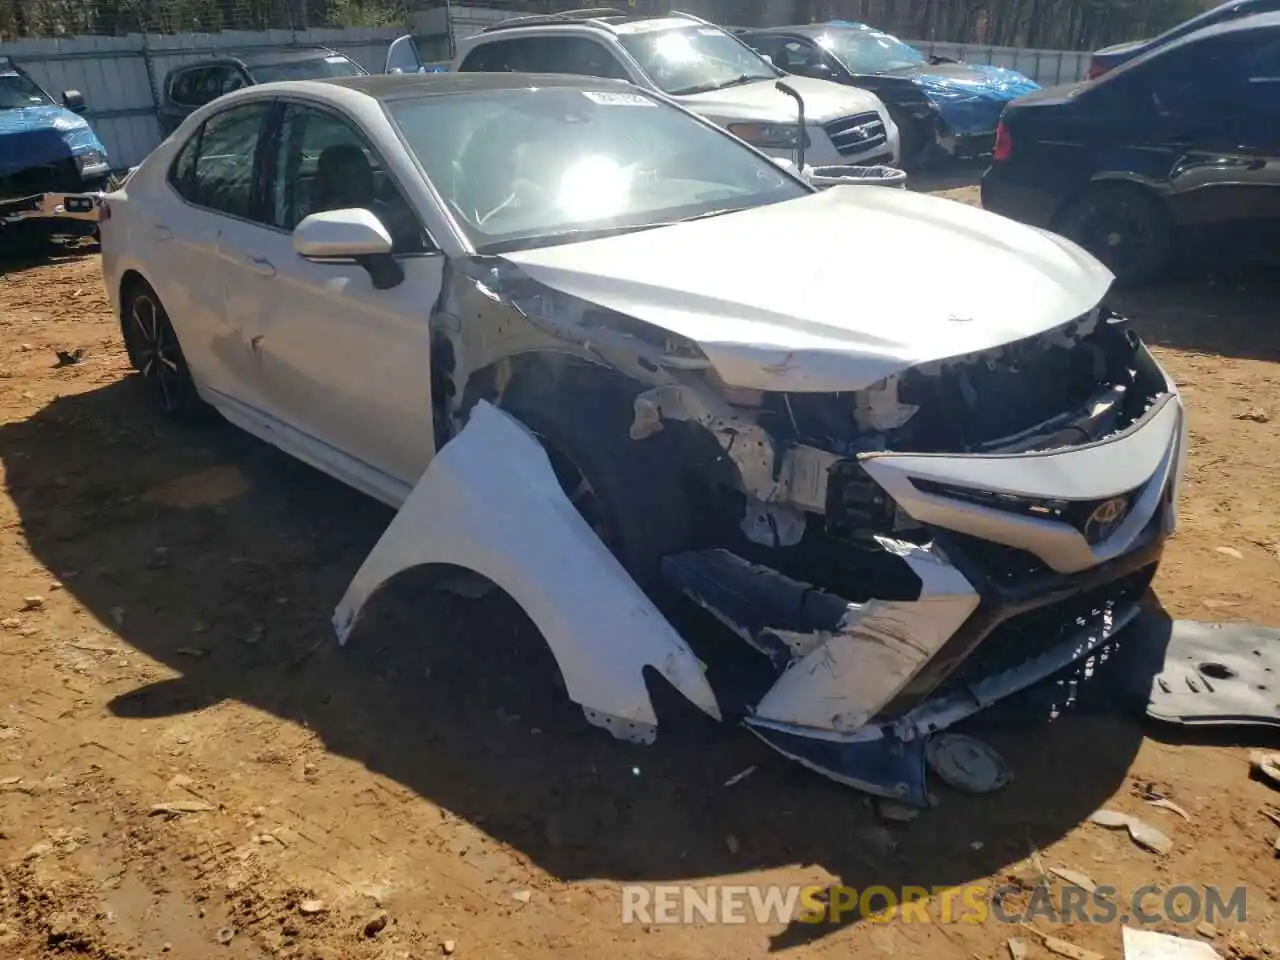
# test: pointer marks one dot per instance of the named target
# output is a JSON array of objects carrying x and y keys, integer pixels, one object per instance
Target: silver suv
[{"x": 701, "y": 66}]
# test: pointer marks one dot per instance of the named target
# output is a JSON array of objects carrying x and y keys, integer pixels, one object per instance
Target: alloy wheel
[{"x": 156, "y": 354}]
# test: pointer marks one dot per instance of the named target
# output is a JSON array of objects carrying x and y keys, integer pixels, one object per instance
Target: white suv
[{"x": 699, "y": 65}]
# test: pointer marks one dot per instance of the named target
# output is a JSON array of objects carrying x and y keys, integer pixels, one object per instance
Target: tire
[
  {"x": 629, "y": 491},
  {"x": 1123, "y": 225},
  {"x": 914, "y": 151},
  {"x": 155, "y": 353}
]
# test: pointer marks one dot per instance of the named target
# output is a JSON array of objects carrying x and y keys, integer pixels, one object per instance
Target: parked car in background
[
  {"x": 192, "y": 85},
  {"x": 562, "y": 317},
  {"x": 46, "y": 148},
  {"x": 938, "y": 105},
  {"x": 1177, "y": 149},
  {"x": 1108, "y": 58},
  {"x": 700, "y": 66}
]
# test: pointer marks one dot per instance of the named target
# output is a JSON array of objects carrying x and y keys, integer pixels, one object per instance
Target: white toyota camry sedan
[{"x": 607, "y": 356}]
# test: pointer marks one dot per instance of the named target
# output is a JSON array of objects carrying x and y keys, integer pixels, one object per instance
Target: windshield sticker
[
  {"x": 619, "y": 99},
  {"x": 338, "y": 59}
]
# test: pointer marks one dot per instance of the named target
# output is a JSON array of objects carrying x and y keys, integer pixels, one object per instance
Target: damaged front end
[{"x": 893, "y": 558}]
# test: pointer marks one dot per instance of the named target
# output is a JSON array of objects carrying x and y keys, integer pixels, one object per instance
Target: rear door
[
  {"x": 213, "y": 188},
  {"x": 402, "y": 56}
]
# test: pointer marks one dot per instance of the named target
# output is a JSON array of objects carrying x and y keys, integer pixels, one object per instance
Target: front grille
[
  {"x": 1031, "y": 634},
  {"x": 857, "y": 134},
  {"x": 60, "y": 177}
]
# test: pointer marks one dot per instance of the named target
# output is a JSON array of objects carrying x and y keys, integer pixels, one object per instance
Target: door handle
[
  {"x": 163, "y": 232},
  {"x": 261, "y": 266}
]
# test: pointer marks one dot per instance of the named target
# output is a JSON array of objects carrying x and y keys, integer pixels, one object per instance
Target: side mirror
[
  {"x": 349, "y": 235},
  {"x": 73, "y": 100}
]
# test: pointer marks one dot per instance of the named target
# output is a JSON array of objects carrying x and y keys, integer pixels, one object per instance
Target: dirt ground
[{"x": 165, "y": 596}]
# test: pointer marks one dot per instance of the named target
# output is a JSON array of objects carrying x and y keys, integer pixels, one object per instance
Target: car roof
[
  {"x": 265, "y": 58},
  {"x": 405, "y": 86},
  {"x": 287, "y": 56},
  {"x": 810, "y": 29},
  {"x": 1255, "y": 21}
]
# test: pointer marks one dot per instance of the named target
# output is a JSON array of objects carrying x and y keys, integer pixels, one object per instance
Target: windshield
[
  {"x": 335, "y": 65},
  {"x": 19, "y": 91},
  {"x": 527, "y": 168},
  {"x": 870, "y": 51},
  {"x": 695, "y": 59}
]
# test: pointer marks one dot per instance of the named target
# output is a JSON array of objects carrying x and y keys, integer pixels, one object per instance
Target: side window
[
  {"x": 1259, "y": 76},
  {"x": 222, "y": 178},
  {"x": 322, "y": 164},
  {"x": 584, "y": 57},
  {"x": 182, "y": 172},
  {"x": 180, "y": 87},
  {"x": 768, "y": 46},
  {"x": 234, "y": 79},
  {"x": 492, "y": 57},
  {"x": 1211, "y": 78},
  {"x": 796, "y": 56}
]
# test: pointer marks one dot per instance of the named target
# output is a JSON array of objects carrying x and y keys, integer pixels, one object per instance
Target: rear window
[{"x": 320, "y": 68}]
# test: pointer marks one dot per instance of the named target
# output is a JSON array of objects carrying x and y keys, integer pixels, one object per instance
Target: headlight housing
[{"x": 770, "y": 136}]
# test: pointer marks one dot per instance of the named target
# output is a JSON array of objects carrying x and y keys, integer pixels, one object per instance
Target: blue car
[
  {"x": 46, "y": 148},
  {"x": 940, "y": 106}
]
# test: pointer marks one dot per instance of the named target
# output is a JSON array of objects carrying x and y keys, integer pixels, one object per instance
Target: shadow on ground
[
  {"x": 14, "y": 261},
  {"x": 1225, "y": 311},
  {"x": 166, "y": 530},
  {"x": 948, "y": 175}
]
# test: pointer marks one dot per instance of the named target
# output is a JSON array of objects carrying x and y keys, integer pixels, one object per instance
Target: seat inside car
[{"x": 344, "y": 178}]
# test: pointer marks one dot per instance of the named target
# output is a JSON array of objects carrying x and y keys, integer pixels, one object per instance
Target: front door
[
  {"x": 345, "y": 364},
  {"x": 402, "y": 56}
]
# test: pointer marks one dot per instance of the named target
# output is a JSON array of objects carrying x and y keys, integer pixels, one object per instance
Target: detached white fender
[{"x": 490, "y": 502}]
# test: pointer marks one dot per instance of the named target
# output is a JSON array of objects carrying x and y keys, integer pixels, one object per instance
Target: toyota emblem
[{"x": 1106, "y": 517}]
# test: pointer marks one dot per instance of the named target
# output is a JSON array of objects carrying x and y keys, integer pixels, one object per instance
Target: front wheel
[
  {"x": 1124, "y": 226},
  {"x": 154, "y": 352},
  {"x": 628, "y": 491}
]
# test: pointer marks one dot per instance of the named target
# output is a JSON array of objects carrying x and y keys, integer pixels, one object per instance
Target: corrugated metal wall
[{"x": 122, "y": 77}]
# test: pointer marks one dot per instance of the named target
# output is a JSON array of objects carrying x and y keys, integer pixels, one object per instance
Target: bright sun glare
[{"x": 593, "y": 187}]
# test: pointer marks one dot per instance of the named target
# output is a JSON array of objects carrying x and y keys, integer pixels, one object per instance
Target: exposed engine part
[{"x": 772, "y": 525}]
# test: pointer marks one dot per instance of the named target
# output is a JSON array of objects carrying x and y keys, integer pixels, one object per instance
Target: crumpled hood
[
  {"x": 836, "y": 290},
  {"x": 762, "y": 102},
  {"x": 971, "y": 96},
  {"x": 34, "y": 136}
]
